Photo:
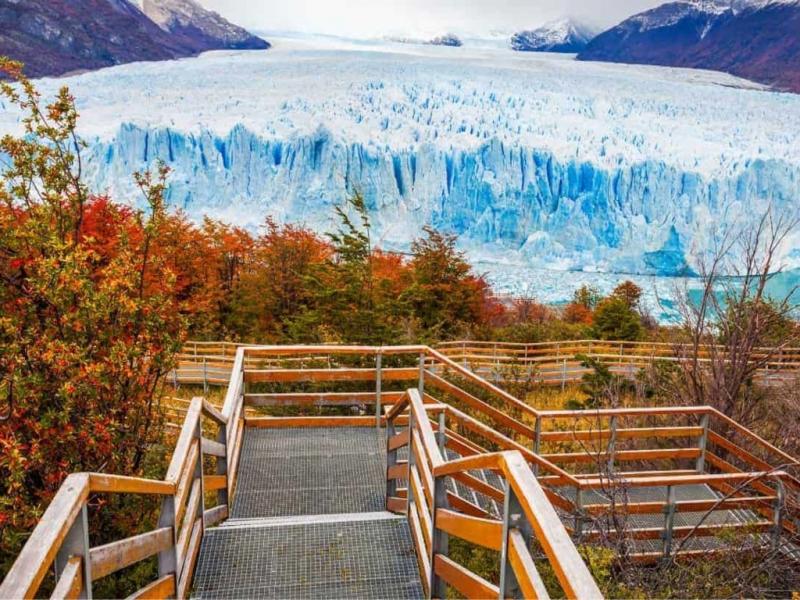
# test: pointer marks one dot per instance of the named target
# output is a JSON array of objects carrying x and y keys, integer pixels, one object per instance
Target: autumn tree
[
  {"x": 446, "y": 296},
  {"x": 89, "y": 324}
]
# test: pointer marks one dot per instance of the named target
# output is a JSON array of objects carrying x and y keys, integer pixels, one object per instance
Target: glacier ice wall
[
  {"x": 535, "y": 161},
  {"x": 505, "y": 203}
]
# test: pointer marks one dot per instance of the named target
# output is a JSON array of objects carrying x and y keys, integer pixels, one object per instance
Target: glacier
[{"x": 535, "y": 162}]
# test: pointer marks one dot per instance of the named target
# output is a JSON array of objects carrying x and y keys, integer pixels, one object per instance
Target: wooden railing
[
  {"x": 547, "y": 363},
  {"x": 581, "y": 451},
  {"x": 555, "y": 363},
  {"x": 570, "y": 455},
  {"x": 61, "y": 538},
  {"x": 435, "y": 514}
]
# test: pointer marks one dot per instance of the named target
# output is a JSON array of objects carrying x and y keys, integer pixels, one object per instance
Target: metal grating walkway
[
  {"x": 311, "y": 472},
  {"x": 309, "y": 521},
  {"x": 369, "y": 558}
]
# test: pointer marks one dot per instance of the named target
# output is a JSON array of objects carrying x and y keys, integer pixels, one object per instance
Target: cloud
[{"x": 368, "y": 18}]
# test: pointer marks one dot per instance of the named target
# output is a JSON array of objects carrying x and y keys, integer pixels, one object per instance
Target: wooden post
[
  {"x": 537, "y": 442},
  {"x": 564, "y": 375},
  {"x": 378, "y": 385},
  {"x": 702, "y": 442},
  {"x": 669, "y": 521},
  {"x": 77, "y": 544},
  {"x": 205, "y": 375}
]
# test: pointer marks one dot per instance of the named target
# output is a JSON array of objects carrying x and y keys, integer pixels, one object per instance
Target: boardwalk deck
[{"x": 309, "y": 521}]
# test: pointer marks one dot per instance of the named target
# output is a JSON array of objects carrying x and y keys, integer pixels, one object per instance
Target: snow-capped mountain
[
  {"x": 756, "y": 39},
  {"x": 563, "y": 35},
  {"x": 551, "y": 163},
  {"x": 54, "y": 37},
  {"x": 204, "y": 29}
]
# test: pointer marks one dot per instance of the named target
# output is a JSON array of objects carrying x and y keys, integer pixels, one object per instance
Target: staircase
[
  {"x": 415, "y": 450},
  {"x": 309, "y": 521}
]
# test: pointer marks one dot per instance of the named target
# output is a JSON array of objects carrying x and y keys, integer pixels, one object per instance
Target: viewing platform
[{"x": 347, "y": 471}]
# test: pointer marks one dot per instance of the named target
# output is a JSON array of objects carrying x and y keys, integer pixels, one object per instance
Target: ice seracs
[{"x": 537, "y": 161}]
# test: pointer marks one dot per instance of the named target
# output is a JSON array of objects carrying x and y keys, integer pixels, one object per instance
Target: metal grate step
[
  {"x": 310, "y": 471},
  {"x": 368, "y": 558}
]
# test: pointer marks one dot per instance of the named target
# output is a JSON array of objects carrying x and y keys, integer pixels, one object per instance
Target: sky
[{"x": 377, "y": 18}]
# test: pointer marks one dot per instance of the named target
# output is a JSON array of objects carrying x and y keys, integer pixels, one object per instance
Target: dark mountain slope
[
  {"x": 55, "y": 37},
  {"x": 200, "y": 28},
  {"x": 758, "y": 41}
]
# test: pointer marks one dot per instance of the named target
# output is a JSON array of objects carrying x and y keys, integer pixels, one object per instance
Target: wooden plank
[
  {"x": 507, "y": 398},
  {"x": 423, "y": 563},
  {"x": 304, "y": 350},
  {"x": 422, "y": 467},
  {"x": 188, "y": 563},
  {"x": 214, "y": 515},
  {"x": 568, "y": 566},
  {"x": 396, "y": 505},
  {"x": 185, "y": 481},
  {"x": 211, "y": 411},
  {"x": 191, "y": 515},
  {"x": 181, "y": 453},
  {"x": 622, "y": 434},
  {"x": 398, "y": 440},
  {"x": 648, "y": 508},
  {"x": 70, "y": 582},
  {"x": 528, "y": 578},
  {"x": 308, "y": 422},
  {"x": 508, "y": 444},
  {"x": 397, "y": 471},
  {"x": 624, "y": 412},
  {"x": 158, "y": 590},
  {"x": 328, "y": 375},
  {"x": 211, "y": 483},
  {"x": 423, "y": 511},
  {"x": 117, "y": 484},
  {"x": 479, "y": 462},
  {"x": 465, "y": 506},
  {"x": 110, "y": 558},
  {"x": 623, "y": 455},
  {"x": 479, "y": 486},
  {"x": 656, "y": 533},
  {"x": 483, "y": 532},
  {"x": 424, "y": 429},
  {"x": 463, "y": 446},
  {"x": 464, "y": 581},
  {"x": 739, "y": 452},
  {"x": 33, "y": 562},
  {"x": 498, "y": 416},
  {"x": 212, "y": 448},
  {"x": 321, "y": 398}
]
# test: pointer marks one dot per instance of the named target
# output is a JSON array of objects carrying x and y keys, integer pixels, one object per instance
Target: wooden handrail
[
  {"x": 63, "y": 529},
  {"x": 430, "y": 520}
]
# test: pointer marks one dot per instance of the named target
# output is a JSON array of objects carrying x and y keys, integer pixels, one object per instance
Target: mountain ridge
[
  {"x": 60, "y": 37},
  {"x": 563, "y": 35},
  {"x": 754, "y": 40}
]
